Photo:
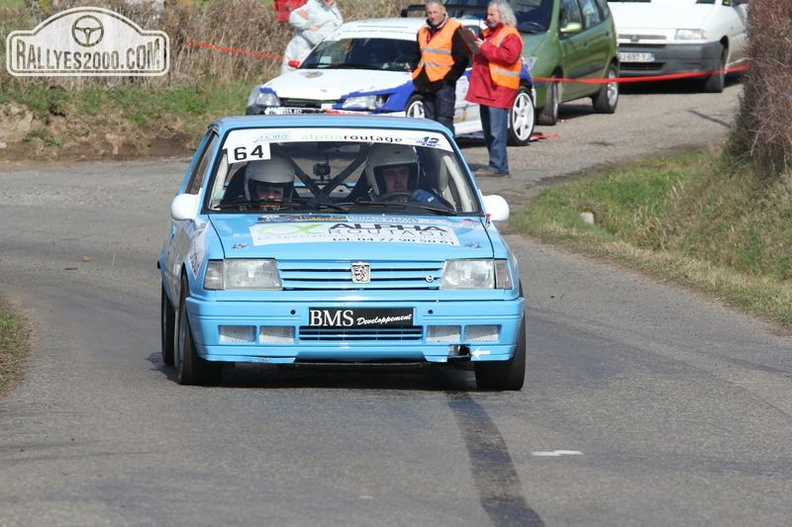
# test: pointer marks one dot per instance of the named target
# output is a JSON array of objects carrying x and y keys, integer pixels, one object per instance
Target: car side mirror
[
  {"x": 572, "y": 27},
  {"x": 496, "y": 208},
  {"x": 294, "y": 64},
  {"x": 184, "y": 207}
]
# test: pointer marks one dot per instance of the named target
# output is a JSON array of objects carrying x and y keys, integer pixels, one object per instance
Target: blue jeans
[
  {"x": 495, "y": 124},
  {"x": 439, "y": 106}
]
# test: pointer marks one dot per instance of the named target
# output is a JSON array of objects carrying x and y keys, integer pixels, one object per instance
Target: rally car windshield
[
  {"x": 352, "y": 171},
  {"x": 362, "y": 53}
]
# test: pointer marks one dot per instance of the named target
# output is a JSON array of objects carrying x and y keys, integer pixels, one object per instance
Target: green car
[{"x": 570, "y": 49}]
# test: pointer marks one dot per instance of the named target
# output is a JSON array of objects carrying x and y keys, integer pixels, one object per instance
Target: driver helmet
[
  {"x": 381, "y": 156},
  {"x": 276, "y": 172}
]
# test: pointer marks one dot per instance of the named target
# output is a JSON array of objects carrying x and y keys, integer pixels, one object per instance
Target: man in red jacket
[{"x": 495, "y": 80}]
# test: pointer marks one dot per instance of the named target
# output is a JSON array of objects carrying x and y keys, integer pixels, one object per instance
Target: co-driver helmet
[{"x": 383, "y": 155}]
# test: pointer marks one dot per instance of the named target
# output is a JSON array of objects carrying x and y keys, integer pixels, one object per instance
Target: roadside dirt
[{"x": 26, "y": 139}]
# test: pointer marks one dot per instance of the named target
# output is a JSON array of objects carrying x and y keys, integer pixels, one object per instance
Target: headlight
[
  {"x": 364, "y": 102},
  {"x": 241, "y": 274},
  {"x": 476, "y": 274},
  {"x": 691, "y": 34},
  {"x": 259, "y": 98}
]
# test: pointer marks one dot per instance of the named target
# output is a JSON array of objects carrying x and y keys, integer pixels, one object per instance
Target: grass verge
[
  {"x": 15, "y": 336},
  {"x": 84, "y": 121},
  {"x": 691, "y": 220}
]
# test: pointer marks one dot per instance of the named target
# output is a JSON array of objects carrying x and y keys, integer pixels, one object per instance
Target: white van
[{"x": 667, "y": 37}]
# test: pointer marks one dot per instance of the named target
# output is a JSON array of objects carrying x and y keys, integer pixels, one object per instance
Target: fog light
[
  {"x": 482, "y": 333},
  {"x": 237, "y": 333},
  {"x": 443, "y": 333},
  {"x": 276, "y": 335}
]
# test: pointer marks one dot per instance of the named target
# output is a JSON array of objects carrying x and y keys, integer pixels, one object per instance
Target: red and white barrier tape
[
  {"x": 646, "y": 78},
  {"x": 193, "y": 44},
  {"x": 672, "y": 76}
]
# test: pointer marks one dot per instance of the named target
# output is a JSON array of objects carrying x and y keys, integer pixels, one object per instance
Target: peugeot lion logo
[{"x": 361, "y": 273}]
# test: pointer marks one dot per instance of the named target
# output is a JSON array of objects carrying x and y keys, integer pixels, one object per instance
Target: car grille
[
  {"x": 331, "y": 276},
  {"x": 305, "y": 103},
  {"x": 633, "y": 39},
  {"x": 308, "y": 334}
]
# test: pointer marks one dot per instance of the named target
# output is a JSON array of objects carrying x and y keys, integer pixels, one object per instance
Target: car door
[
  {"x": 587, "y": 52},
  {"x": 737, "y": 13},
  {"x": 466, "y": 113},
  {"x": 182, "y": 232},
  {"x": 574, "y": 46},
  {"x": 464, "y": 110},
  {"x": 601, "y": 40}
]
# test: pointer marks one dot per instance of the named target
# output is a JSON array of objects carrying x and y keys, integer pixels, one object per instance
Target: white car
[
  {"x": 668, "y": 37},
  {"x": 363, "y": 68}
]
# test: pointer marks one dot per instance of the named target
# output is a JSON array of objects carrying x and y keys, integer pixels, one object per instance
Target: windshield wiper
[
  {"x": 324, "y": 205},
  {"x": 440, "y": 210},
  {"x": 256, "y": 202},
  {"x": 369, "y": 203},
  {"x": 345, "y": 66},
  {"x": 400, "y": 205}
]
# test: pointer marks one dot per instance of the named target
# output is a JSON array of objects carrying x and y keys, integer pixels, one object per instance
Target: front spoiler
[{"x": 207, "y": 317}]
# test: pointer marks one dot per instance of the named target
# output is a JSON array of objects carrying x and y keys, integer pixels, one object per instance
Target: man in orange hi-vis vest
[
  {"x": 495, "y": 81},
  {"x": 440, "y": 60}
]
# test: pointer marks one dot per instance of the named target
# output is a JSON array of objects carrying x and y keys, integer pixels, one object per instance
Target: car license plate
[
  {"x": 630, "y": 56},
  {"x": 280, "y": 110},
  {"x": 359, "y": 318}
]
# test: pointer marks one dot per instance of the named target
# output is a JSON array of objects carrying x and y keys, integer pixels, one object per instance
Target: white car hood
[
  {"x": 333, "y": 84},
  {"x": 660, "y": 15}
]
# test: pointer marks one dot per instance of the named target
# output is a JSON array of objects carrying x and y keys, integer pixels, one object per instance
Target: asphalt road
[{"x": 644, "y": 405}]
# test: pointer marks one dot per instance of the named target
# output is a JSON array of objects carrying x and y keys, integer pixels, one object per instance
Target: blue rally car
[{"x": 338, "y": 239}]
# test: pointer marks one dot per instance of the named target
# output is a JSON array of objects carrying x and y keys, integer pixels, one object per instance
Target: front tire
[
  {"x": 504, "y": 375},
  {"x": 606, "y": 100},
  {"x": 716, "y": 82},
  {"x": 549, "y": 114},
  {"x": 415, "y": 107},
  {"x": 522, "y": 118},
  {"x": 167, "y": 322},
  {"x": 190, "y": 368}
]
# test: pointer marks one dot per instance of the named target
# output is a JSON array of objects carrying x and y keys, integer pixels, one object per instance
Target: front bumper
[
  {"x": 293, "y": 110},
  {"x": 668, "y": 59},
  {"x": 485, "y": 331}
]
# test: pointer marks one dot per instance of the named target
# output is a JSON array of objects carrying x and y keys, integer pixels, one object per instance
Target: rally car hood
[
  {"x": 345, "y": 237},
  {"x": 327, "y": 85},
  {"x": 659, "y": 15}
]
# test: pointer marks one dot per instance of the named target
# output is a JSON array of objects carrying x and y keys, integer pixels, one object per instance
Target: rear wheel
[
  {"x": 415, "y": 107},
  {"x": 190, "y": 368},
  {"x": 549, "y": 113},
  {"x": 716, "y": 82},
  {"x": 167, "y": 321},
  {"x": 607, "y": 98},
  {"x": 504, "y": 375},
  {"x": 522, "y": 118}
]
